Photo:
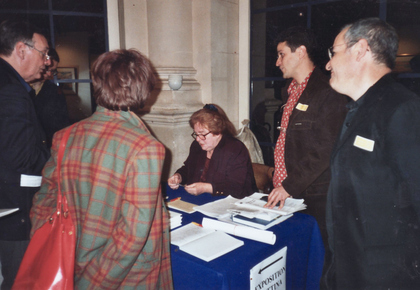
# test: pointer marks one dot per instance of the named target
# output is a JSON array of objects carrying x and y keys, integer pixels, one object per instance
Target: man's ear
[
  {"x": 20, "y": 50},
  {"x": 361, "y": 48},
  {"x": 302, "y": 51}
]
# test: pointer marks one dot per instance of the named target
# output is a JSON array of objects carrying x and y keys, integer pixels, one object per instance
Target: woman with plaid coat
[{"x": 111, "y": 177}]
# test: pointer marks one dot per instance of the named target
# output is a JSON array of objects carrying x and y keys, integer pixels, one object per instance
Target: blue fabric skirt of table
[{"x": 300, "y": 233}]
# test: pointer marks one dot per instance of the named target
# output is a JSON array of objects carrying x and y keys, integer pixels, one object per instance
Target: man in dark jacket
[
  {"x": 373, "y": 203},
  {"x": 50, "y": 102},
  {"x": 23, "y": 154},
  {"x": 312, "y": 116}
]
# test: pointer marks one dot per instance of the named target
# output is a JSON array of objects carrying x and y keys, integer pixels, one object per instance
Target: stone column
[
  {"x": 197, "y": 39},
  {"x": 170, "y": 48}
]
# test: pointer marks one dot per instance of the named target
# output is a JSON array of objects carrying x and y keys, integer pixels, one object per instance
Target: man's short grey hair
[
  {"x": 11, "y": 32},
  {"x": 381, "y": 37}
]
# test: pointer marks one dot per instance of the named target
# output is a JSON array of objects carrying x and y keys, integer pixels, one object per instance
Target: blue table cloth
[{"x": 300, "y": 233}]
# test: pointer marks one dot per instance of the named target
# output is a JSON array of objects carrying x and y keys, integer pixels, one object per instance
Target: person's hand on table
[
  {"x": 174, "y": 181},
  {"x": 198, "y": 188},
  {"x": 278, "y": 194}
]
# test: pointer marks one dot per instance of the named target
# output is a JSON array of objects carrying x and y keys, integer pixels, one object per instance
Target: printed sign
[{"x": 270, "y": 274}]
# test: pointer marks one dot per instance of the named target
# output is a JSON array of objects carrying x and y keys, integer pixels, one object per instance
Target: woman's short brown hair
[
  {"x": 214, "y": 119},
  {"x": 122, "y": 80}
]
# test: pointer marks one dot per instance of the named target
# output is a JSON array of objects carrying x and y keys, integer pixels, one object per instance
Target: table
[{"x": 300, "y": 233}]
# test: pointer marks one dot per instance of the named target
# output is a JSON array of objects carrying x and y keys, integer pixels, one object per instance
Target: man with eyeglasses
[
  {"x": 23, "y": 152},
  {"x": 373, "y": 204},
  {"x": 312, "y": 116},
  {"x": 50, "y": 102}
]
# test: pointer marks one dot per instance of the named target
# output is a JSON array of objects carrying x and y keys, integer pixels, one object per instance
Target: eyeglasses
[
  {"x": 331, "y": 50},
  {"x": 52, "y": 71},
  {"x": 201, "y": 136},
  {"x": 44, "y": 55}
]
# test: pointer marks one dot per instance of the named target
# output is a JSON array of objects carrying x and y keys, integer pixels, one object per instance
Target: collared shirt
[
  {"x": 352, "y": 106},
  {"x": 295, "y": 90}
]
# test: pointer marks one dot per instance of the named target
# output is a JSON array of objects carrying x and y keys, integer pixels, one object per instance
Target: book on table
[
  {"x": 204, "y": 243},
  {"x": 175, "y": 219},
  {"x": 259, "y": 200},
  {"x": 181, "y": 205},
  {"x": 260, "y": 223}
]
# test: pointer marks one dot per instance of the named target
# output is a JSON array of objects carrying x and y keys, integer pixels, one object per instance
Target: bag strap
[{"x": 60, "y": 155}]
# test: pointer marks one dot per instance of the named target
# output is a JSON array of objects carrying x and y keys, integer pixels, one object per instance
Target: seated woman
[{"x": 218, "y": 163}]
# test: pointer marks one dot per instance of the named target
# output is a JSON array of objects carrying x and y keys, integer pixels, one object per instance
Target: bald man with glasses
[
  {"x": 23, "y": 152},
  {"x": 373, "y": 202}
]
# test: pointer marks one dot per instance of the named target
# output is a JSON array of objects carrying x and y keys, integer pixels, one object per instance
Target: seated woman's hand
[
  {"x": 174, "y": 181},
  {"x": 199, "y": 188}
]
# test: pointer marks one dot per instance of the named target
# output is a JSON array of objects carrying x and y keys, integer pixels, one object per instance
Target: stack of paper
[
  {"x": 219, "y": 208},
  {"x": 204, "y": 243},
  {"x": 175, "y": 219},
  {"x": 254, "y": 201},
  {"x": 250, "y": 210},
  {"x": 260, "y": 222}
]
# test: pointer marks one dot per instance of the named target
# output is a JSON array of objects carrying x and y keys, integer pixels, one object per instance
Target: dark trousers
[{"x": 11, "y": 254}]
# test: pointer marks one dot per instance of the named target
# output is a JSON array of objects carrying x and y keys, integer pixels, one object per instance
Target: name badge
[
  {"x": 30, "y": 180},
  {"x": 301, "y": 107},
  {"x": 364, "y": 143}
]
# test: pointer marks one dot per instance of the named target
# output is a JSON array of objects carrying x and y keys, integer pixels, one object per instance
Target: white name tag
[
  {"x": 364, "y": 143},
  {"x": 30, "y": 180},
  {"x": 301, "y": 107}
]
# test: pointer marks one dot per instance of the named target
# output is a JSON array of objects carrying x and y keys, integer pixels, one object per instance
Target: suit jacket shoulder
[
  {"x": 22, "y": 152},
  {"x": 311, "y": 132}
]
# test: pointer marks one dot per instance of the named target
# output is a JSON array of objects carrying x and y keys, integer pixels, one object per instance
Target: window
[
  {"x": 325, "y": 18},
  {"x": 77, "y": 29}
]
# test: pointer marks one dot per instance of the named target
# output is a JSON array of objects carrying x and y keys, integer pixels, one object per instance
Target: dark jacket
[
  {"x": 51, "y": 108},
  {"x": 310, "y": 137},
  {"x": 22, "y": 151},
  {"x": 373, "y": 204},
  {"x": 230, "y": 169}
]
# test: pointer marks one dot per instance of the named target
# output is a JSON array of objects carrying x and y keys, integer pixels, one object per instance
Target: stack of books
[
  {"x": 175, "y": 219},
  {"x": 266, "y": 217},
  {"x": 258, "y": 222}
]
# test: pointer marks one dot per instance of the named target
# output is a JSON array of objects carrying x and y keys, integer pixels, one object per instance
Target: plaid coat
[{"x": 111, "y": 176}]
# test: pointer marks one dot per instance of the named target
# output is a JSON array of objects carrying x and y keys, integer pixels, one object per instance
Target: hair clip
[{"x": 210, "y": 107}]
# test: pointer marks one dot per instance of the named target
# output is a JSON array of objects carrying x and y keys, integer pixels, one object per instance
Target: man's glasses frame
[
  {"x": 331, "y": 52},
  {"x": 44, "y": 55},
  {"x": 201, "y": 136}
]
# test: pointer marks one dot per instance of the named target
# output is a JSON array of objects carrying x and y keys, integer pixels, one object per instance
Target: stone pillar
[
  {"x": 170, "y": 47},
  {"x": 197, "y": 39}
]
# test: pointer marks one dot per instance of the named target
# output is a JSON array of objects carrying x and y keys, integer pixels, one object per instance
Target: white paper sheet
[
  {"x": 6, "y": 211},
  {"x": 30, "y": 180},
  {"x": 291, "y": 205},
  {"x": 267, "y": 237}
]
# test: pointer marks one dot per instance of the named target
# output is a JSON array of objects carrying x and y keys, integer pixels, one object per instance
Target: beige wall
[
  {"x": 73, "y": 50},
  {"x": 205, "y": 41}
]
